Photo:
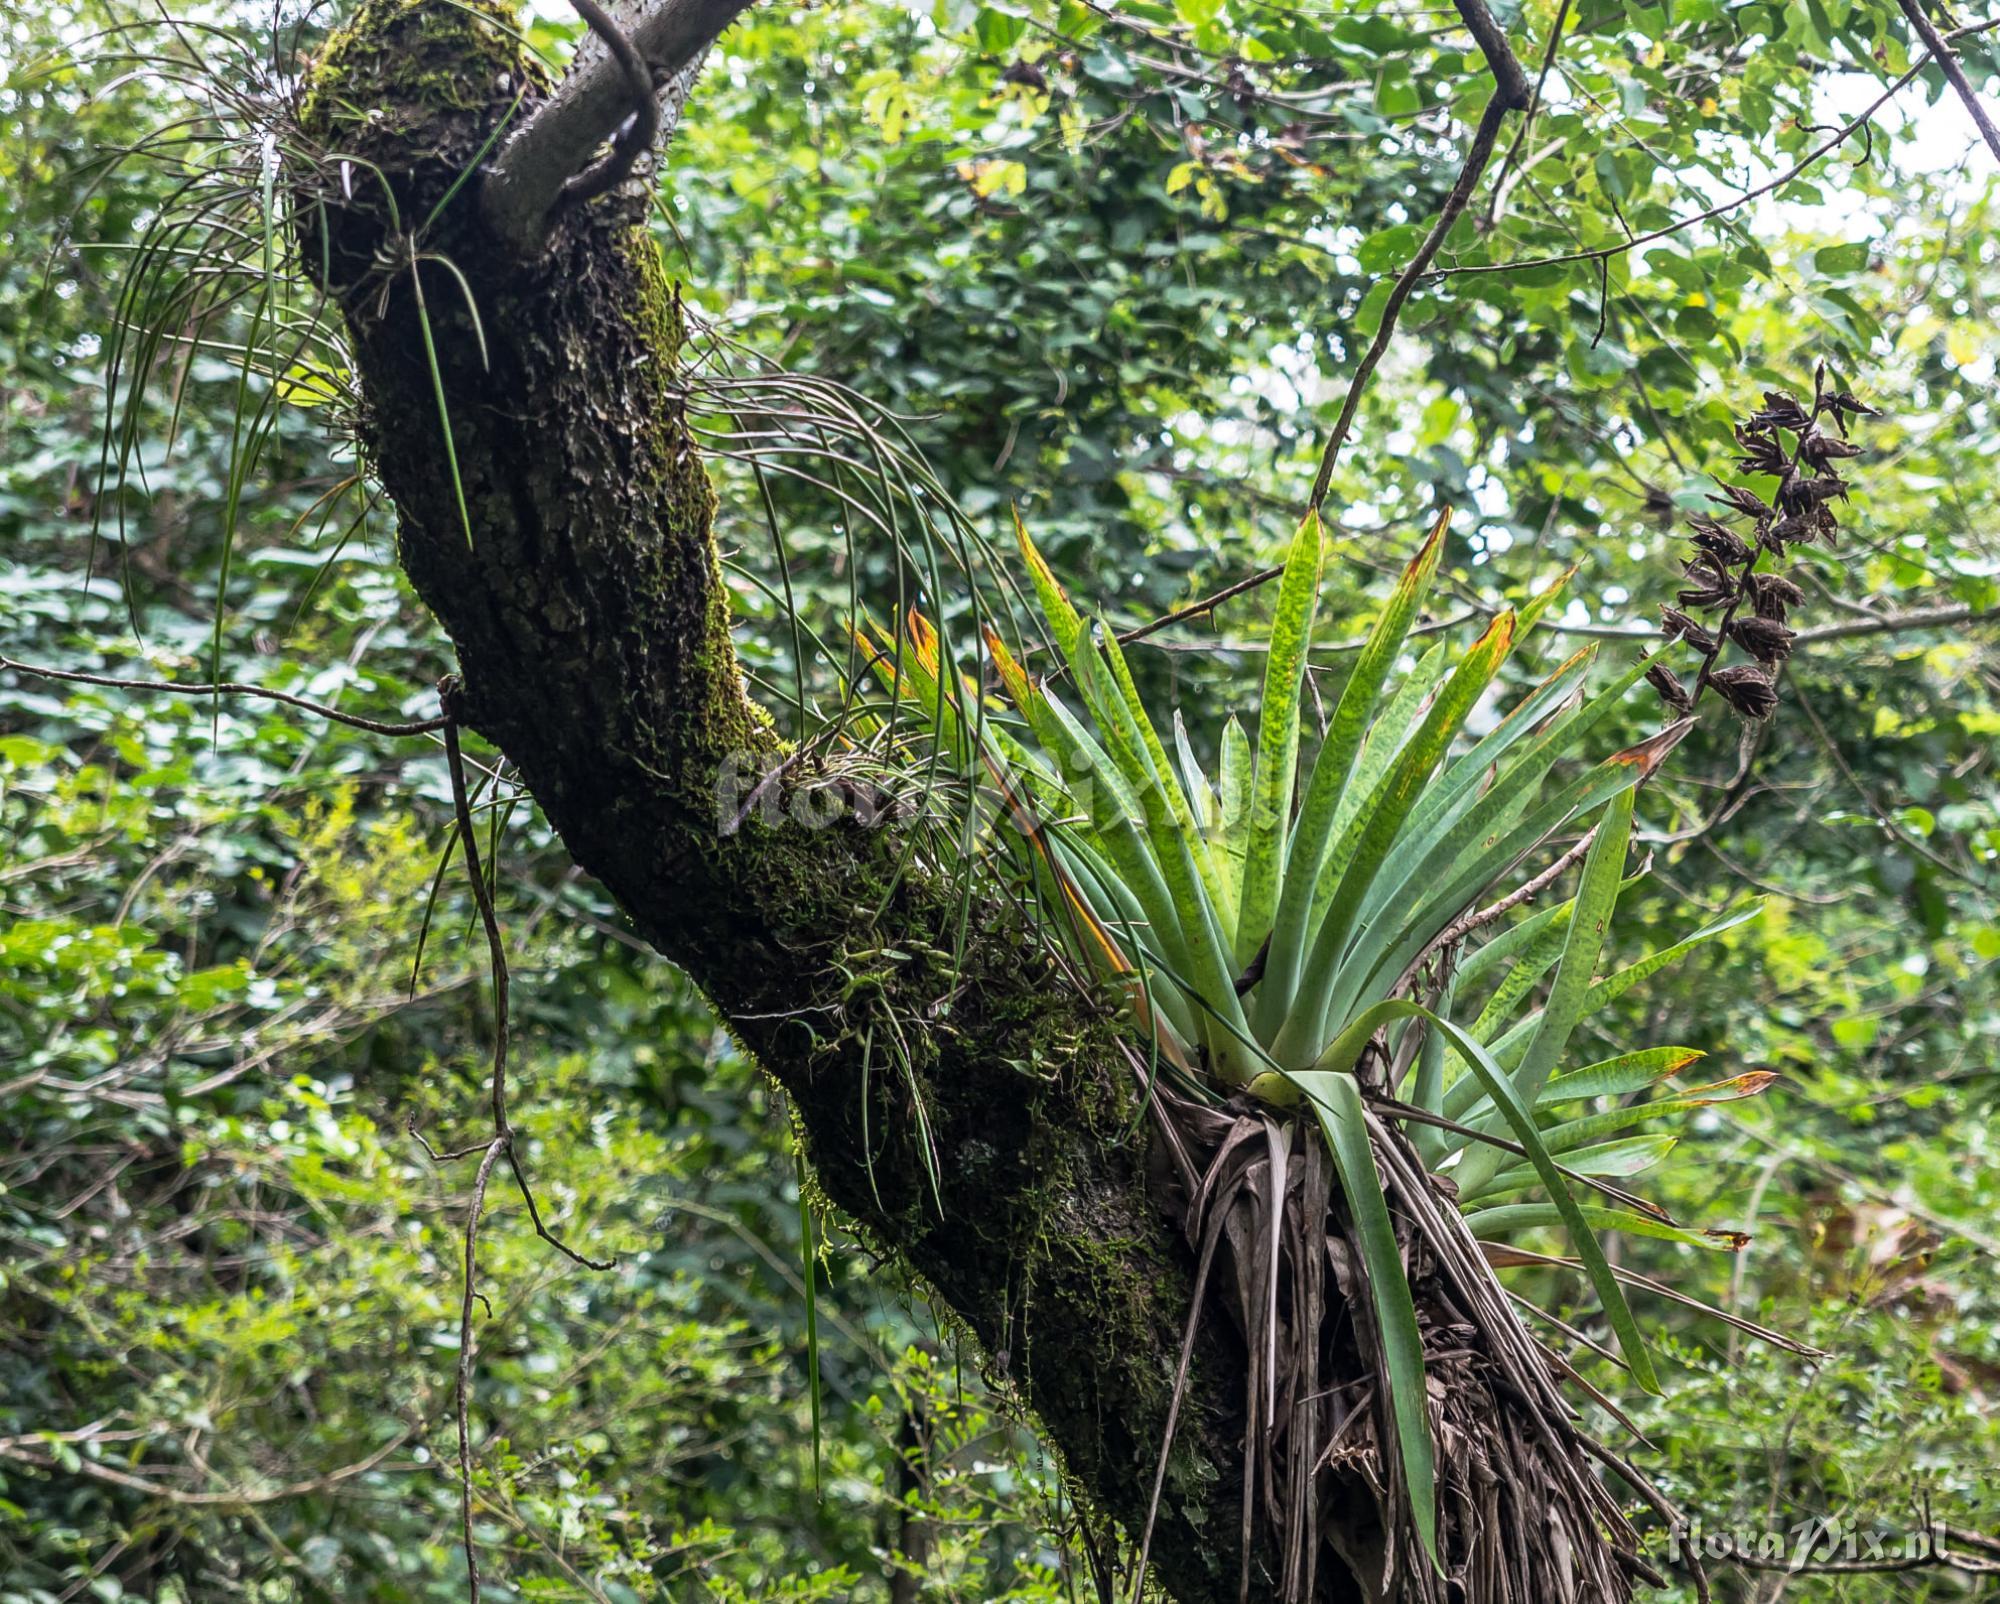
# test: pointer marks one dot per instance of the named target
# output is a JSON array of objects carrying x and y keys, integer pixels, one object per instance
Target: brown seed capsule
[
  {"x": 1781, "y": 411},
  {"x": 1819, "y": 448},
  {"x": 1674, "y": 622},
  {"x": 1763, "y": 452},
  {"x": 1724, "y": 545},
  {"x": 1773, "y": 594},
  {"x": 1671, "y": 691},
  {"x": 1746, "y": 690},
  {"x": 1706, "y": 599},
  {"x": 1800, "y": 494},
  {"x": 1765, "y": 639},
  {"x": 1741, "y": 500},
  {"x": 1794, "y": 526}
]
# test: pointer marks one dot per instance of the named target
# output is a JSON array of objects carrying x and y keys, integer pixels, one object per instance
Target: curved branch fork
[
  {"x": 580, "y": 585},
  {"x": 549, "y": 153}
]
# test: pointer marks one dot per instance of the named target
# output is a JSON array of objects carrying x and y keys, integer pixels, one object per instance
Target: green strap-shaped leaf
[
  {"x": 1346, "y": 1051},
  {"x": 1392, "y": 730},
  {"x": 1064, "y": 623},
  {"x": 1497, "y": 1224},
  {"x": 1301, "y": 1034},
  {"x": 1569, "y": 992},
  {"x": 1337, "y": 1103},
  {"x": 1458, "y": 789},
  {"x": 1329, "y": 779},
  {"x": 1278, "y": 738},
  {"x": 1456, "y": 793},
  {"x": 1173, "y": 843},
  {"x": 1508, "y": 1048},
  {"x": 1201, "y": 794},
  {"x": 1618, "y": 1077},
  {"x": 1233, "y": 792},
  {"x": 1112, "y": 810},
  {"x": 1179, "y": 804},
  {"x": 1486, "y": 845},
  {"x": 1629, "y": 1155},
  {"x": 1223, "y": 877}
]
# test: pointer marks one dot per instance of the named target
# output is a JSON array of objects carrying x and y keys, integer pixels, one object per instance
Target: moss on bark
[
  {"x": 592, "y": 632},
  {"x": 591, "y": 624}
]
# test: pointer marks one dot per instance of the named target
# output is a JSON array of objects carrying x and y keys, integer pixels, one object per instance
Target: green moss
[{"x": 415, "y": 75}]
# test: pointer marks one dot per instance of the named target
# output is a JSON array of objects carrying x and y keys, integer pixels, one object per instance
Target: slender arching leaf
[
  {"x": 1509, "y": 1220},
  {"x": 1510, "y": 1046},
  {"x": 1342, "y": 1055}
]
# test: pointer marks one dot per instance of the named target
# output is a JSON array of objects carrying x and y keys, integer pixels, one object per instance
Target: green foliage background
[{"x": 1098, "y": 277}]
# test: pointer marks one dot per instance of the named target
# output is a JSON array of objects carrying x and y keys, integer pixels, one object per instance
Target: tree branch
[
  {"x": 1833, "y": 141},
  {"x": 1510, "y": 93},
  {"x": 556, "y": 144},
  {"x": 1954, "y": 74}
]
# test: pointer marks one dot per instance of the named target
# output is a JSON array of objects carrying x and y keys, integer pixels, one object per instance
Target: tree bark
[{"x": 579, "y": 584}]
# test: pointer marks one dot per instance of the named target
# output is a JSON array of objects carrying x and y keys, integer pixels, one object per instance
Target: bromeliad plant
[{"x": 1289, "y": 935}]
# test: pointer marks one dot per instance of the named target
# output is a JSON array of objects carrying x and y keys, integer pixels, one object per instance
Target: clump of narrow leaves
[
  {"x": 1723, "y": 578},
  {"x": 1301, "y": 934}
]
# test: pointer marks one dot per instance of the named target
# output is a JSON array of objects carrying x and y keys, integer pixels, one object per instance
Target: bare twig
[
  {"x": 1527, "y": 891},
  {"x": 500, "y": 1142},
  {"x": 1510, "y": 93},
  {"x": 179, "y": 688},
  {"x": 1202, "y": 608},
  {"x": 463, "y": 1394},
  {"x": 1833, "y": 141},
  {"x": 1954, "y": 74}
]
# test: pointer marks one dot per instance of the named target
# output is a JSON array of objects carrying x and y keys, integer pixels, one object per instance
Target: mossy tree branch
[
  {"x": 592, "y": 631},
  {"x": 569, "y": 556}
]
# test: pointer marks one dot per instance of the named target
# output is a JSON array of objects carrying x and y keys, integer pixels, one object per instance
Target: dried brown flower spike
[{"x": 1722, "y": 564}]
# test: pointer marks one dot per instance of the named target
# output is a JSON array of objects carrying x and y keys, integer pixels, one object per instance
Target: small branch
[
  {"x": 1833, "y": 141},
  {"x": 179, "y": 688},
  {"x": 538, "y": 162},
  {"x": 1528, "y": 117},
  {"x": 1896, "y": 624},
  {"x": 1510, "y": 93},
  {"x": 1954, "y": 74},
  {"x": 1527, "y": 891},
  {"x": 20, "y": 1450},
  {"x": 635, "y": 134},
  {"x": 1202, "y": 608}
]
